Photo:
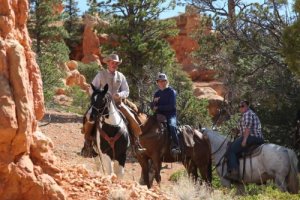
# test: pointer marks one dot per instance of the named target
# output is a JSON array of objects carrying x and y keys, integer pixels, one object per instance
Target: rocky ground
[{"x": 80, "y": 176}]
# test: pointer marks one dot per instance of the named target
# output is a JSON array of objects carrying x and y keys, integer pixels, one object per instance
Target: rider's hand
[
  {"x": 156, "y": 99},
  {"x": 116, "y": 96},
  {"x": 244, "y": 143}
]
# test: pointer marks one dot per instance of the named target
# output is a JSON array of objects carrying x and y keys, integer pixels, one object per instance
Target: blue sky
[{"x": 178, "y": 10}]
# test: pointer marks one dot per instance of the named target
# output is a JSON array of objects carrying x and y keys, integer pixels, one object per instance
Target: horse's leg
[
  {"x": 224, "y": 182},
  {"x": 143, "y": 160},
  {"x": 107, "y": 164},
  {"x": 119, "y": 169},
  {"x": 240, "y": 189},
  {"x": 119, "y": 164},
  {"x": 157, "y": 167},
  {"x": 280, "y": 182}
]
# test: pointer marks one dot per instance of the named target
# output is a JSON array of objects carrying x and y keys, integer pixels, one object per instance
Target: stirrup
[
  {"x": 175, "y": 150},
  {"x": 140, "y": 149}
]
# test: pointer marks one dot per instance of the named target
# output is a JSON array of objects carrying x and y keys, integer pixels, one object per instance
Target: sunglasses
[
  {"x": 161, "y": 81},
  {"x": 241, "y": 106}
]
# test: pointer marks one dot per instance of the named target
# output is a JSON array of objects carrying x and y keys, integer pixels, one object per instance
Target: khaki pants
[{"x": 133, "y": 124}]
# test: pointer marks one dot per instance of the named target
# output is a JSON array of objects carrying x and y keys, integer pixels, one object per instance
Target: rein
[{"x": 218, "y": 149}]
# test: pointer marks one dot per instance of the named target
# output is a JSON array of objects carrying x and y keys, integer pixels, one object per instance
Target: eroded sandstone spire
[{"x": 26, "y": 158}]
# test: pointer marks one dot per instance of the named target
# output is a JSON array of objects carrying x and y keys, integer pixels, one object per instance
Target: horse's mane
[{"x": 214, "y": 134}]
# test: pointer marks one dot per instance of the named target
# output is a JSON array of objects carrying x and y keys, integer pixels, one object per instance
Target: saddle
[
  {"x": 162, "y": 121},
  {"x": 163, "y": 126},
  {"x": 188, "y": 135},
  {"x": 252, "y": 151}
]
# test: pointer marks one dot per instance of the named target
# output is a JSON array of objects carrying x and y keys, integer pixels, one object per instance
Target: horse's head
[{"x": 99, "y": 101}]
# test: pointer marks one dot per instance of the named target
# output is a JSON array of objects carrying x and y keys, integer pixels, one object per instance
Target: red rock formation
[
  {"x": 184, "y": 44},
  {"x": 91, "y": 42},
  {"x": 74, "y": 77},
  {"x": 26, "y": 159}
]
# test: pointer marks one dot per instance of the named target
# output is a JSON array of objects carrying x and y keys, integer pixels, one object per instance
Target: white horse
[{"x": 273, "y": 162}]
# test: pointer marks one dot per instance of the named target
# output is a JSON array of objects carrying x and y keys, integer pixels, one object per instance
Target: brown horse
[{"x": 156, "y": 140}]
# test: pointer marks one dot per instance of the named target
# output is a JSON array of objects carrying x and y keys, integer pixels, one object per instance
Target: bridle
[{"x": 100, "y": 111}]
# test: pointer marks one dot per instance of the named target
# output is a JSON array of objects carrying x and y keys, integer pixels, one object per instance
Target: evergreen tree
[
  {"x": 72, "y": 24},
  {"x": 49, "y": 44},
  {"x": 249, "y": 58},
  {"x": 93, "y": 7},
  {"x": 141, "y": 38},
  {"x": 291, "y": 43}
]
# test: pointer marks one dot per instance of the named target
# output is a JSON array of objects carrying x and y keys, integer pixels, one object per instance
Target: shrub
[
  {"x": 89, "y": 71},
  {"x": 80, "y": 100}
]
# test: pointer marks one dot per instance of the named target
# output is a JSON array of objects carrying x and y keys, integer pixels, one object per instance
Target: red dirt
[{"x": 80, "y": 178}]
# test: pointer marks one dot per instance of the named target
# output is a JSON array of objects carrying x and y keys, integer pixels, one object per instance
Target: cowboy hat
[{"x": 113, "y": 57}]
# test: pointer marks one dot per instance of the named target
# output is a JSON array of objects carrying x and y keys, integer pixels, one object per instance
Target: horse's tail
[
  {"x": 209, "y": 170},
  {"x": 292, "y": 178}
]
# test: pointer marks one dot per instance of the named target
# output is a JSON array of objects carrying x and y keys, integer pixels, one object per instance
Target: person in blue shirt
[{"x": 164, "y": 103}]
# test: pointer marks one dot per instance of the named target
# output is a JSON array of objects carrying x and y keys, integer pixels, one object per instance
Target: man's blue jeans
[
  {"x": 236, "y": 148},
  {"x": 172, "y": 124}
]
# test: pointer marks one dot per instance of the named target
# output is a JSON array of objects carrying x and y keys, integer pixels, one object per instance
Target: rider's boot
[
  {"x": 233, "y": 175},
  {"x": 175, "y": 150},
  {"x": 87, "y": 130},
  {"x": 138, "y": 146},
  {"x": 88, "y": 150}
]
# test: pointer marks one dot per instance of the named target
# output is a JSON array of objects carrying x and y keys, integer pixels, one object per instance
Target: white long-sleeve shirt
[{"x": 117, "y": 83}]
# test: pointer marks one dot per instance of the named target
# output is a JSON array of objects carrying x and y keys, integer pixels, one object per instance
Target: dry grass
[{"x": 186, "y": 189}]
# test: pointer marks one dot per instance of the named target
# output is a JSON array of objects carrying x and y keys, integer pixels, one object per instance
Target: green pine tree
[
  {"x": 48, "y": 35},
  {"x": 93, "y": 7},
  {"x": 248, "y": 55},
  {"x": 72, "y": 24},
  {"x": 141, "y": 38},
  {"x": 142, "y": 45},
  {"x": 291, "y": 43}
]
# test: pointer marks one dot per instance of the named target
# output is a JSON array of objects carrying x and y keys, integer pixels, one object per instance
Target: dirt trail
[{"x": 64, "y": 129}]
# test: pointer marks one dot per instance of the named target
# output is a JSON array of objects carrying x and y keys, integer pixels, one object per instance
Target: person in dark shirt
[{"x": 164, "y": 103}]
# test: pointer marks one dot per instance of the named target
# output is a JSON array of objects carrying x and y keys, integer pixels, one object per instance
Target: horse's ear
[
  {"x": 105, "y": 89},
  {"x": 93, "y": 87}
]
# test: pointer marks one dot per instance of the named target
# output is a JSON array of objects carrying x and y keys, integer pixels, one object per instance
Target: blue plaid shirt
[{"x": 250, "y": 120}]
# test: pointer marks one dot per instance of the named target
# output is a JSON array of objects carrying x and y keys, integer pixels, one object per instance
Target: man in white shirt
[{"x": 118, "y": 87}]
